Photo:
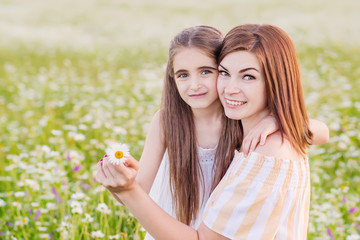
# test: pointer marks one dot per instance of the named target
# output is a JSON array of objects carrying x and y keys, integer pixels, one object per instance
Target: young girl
[
  {"x": 190, "y": 142},
  {"x": 185, "y": 63}
]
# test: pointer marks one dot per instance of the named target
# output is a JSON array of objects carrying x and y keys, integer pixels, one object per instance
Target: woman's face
[
  {"x": 241, "y": 87},
  {"x": 195, "y": 74}
]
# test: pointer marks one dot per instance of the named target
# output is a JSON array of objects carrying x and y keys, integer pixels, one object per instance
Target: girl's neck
[
  {"x": 208, "y": 126},
  {"x": 250, "y": 122},
  {"x": 208, "y": 114}
]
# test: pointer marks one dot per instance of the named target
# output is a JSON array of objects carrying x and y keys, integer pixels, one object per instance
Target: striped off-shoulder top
[{"x": 261, "y": 197}]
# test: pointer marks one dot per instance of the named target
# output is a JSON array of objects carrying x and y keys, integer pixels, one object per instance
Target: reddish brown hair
[
  {"x": 179, "y": 128},
  {"x": 277, "y": 56}
]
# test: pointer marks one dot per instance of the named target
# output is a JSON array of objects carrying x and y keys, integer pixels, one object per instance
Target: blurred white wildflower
[
  {"x": 63, "y": 226},
  {"x": 70, "y": 128},
  {"x": 76, "y": 207},
  {"x": 44, "y": 121},
  {"x": 16, "y": 204},
  {"x": 19, "y": 194},
  {"x": 78, "y": 196},
  {"x": 117, "y": 236},
  {"x": 51, "y": 206},
  {"x": 103, "y": 208},
  {"x": 2, "y": 203},
  {"x": 97, "y": 234},
  {"x": 353, "y": 237},
  {"x": 56, "y": 132},
  {"x": 35, "y": 204},
  {"x": 44, "y": 236},
  {"x": 79, "y": 137},
  {"x": 83, "y": 127},
  {"x": 10, "y": 68},
  {"x": 34, "y": 185},
  {"x": 119, "y": 130},
  {"x": 99, "y": 189},
  {"x": 42, "y": 229},
  {"x": 21, "y": 221},
  {"x": 87, "y": 218}
]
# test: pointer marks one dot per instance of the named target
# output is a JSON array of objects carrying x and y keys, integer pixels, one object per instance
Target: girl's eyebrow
[
  {"x": 180, "y": 70},
  {"x": 242, "y": 70},
  {"x": 210, "y": 67},
  {"x": 202, "y": 67}
]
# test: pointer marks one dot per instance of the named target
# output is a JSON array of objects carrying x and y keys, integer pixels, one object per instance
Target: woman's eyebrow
[
  {"x": 223, "y": 67},
  {"x": 248, "y": 69}
]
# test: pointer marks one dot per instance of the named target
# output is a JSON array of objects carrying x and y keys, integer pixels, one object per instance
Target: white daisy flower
[
  {"x": 116, "y": 153},
  {"x": 97, "y": 234}
]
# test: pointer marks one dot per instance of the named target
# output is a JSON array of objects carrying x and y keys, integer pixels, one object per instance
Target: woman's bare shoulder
[{"x": 278, "y": 146}]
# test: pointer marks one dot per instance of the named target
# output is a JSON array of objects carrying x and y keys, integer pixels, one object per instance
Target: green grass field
[{"x": 77, "y": 74}]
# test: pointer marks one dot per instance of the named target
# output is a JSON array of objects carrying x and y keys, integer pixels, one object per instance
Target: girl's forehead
[{"x": 192, "y": 57}]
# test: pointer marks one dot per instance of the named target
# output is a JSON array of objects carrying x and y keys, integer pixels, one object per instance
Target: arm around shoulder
[
  {"x": 320, "y": 132},
  {"x": 279, "y": 147}
]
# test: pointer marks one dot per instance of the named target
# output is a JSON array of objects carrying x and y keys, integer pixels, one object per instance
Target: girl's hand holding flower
[{"x": 117, "y": 170}]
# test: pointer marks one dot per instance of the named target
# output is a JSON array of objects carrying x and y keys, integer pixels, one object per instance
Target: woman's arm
[
  {"x": 320, "y": 132},
  {"x": 155, "y": 220}
]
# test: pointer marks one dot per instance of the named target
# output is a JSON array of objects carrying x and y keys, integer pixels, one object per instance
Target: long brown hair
[
  {"x": 277, "y": 56},
  {"x": 179, "y": 128}
]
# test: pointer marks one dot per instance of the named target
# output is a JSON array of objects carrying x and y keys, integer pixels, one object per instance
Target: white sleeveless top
[{"x": 161, "y": 193}]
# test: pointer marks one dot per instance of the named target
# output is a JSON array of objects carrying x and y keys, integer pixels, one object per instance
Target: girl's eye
[
  {"x": 223, "y": 73},
  {"x": 182, "y": 75},
  {"x": 249, "y": 77}
]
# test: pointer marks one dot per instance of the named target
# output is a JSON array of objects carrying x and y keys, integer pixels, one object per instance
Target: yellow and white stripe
[{"x": 261, "y": 197}]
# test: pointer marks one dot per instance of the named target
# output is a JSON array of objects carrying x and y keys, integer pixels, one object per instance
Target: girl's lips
[{"x": 198, "y": 95}]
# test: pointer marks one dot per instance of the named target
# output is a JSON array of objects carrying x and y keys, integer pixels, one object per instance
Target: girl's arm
[
  {"x": 320, "y": 132},
  {"x": 152, "y": 154},
  {"x": 155, "y": 220},
  {"x": 257, "y": 136}
]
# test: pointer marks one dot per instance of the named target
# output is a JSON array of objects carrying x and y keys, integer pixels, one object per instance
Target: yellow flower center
[{"x": 119, "y": 154}]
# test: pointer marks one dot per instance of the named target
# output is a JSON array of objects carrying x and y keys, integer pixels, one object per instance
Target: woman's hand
[
  {"x": 259, "y": 133},
  {"x": 117, "y": 178}
]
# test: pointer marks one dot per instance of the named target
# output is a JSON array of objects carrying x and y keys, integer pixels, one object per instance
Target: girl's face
[
  {"x": 241, "y": 87},
  {"x": 195, "y": 75}
]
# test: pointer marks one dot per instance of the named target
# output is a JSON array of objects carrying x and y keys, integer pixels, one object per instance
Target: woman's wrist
[{"x": 129, "y": 194}]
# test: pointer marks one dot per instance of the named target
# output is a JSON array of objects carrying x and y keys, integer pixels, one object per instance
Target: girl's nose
[{"x": 195, "y": 84}]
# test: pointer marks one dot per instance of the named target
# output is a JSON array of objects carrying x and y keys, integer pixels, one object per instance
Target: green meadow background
[{"x": 76, "y": 74}]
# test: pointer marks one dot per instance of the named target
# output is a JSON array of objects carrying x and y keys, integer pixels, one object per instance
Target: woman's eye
[
  {"x": 249, "y": 77},
  {"x": 223, "y": 73},
  {"x": 204, "y": 72}
]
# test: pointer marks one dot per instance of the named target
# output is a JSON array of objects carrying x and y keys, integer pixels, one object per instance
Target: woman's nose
[{"x": 232, "y": 87}]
